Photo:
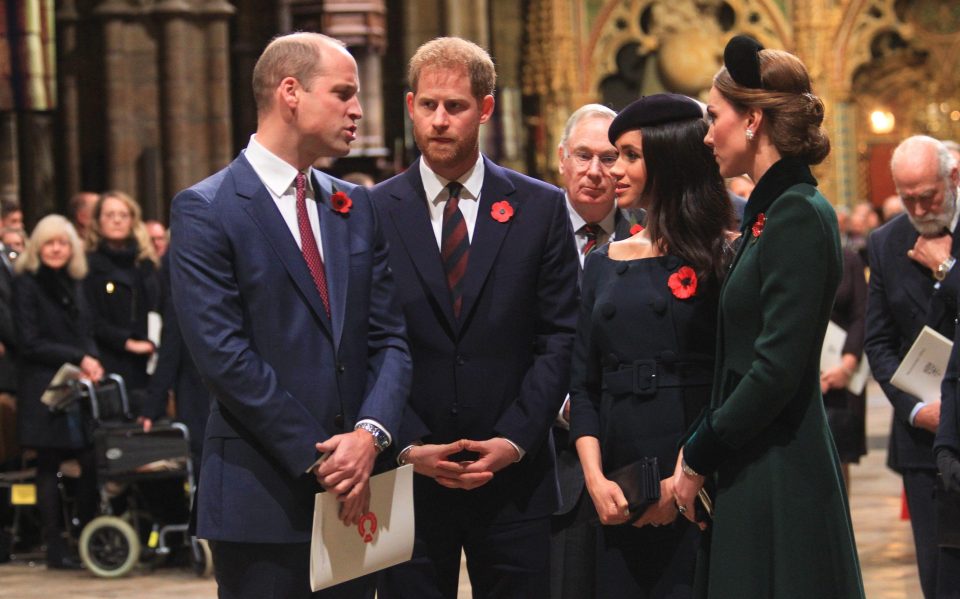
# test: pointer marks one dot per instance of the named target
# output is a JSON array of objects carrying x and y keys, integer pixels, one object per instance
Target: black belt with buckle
[{"x": 644, "y": 377}]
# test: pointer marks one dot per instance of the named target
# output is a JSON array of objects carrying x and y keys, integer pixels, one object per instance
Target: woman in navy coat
[
  {"x": 55, "y": 327},
  {"x": 643, "y": 358}
]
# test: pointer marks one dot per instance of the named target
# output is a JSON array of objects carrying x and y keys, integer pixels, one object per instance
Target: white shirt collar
[
  {"x": 608, "y": 224},
  {"x": 434, "y": 184},
  {"x": 275, "y": 173}
]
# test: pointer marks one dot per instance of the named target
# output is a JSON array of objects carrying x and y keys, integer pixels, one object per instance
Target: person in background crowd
[
  {"x": 843, "y": 221},
  {"x": 846, "y": 410},
  {"x": 10, "y": 214},
  {"x": 123, "y": 287},
  {"x": 891, "y": 207},
  {"x": 55, "y": 327},
  {"x": 361, "y": 179},
  {"x": 913, "y": 283},
  {"x": 487, "y": 272},
  {"x": 643, "y": 359},
  {"x": 585, "y": 156},
  {"x": 80, "y": 211},
  {"x": 741, "y": 185},
  {"x": 158, "y": 237},
  {"x": 298, "y": 368},
  {"x": 863, "y": 219},
  {"x": 779, "y": 499},
  {"x": 14, "y": 241}
]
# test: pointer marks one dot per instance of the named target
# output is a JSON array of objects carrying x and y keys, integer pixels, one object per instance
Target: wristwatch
[
  {"x": 380, "y": 439},
  {"x": 945, "y": 266},
  {"x": 688, "y": 470}
]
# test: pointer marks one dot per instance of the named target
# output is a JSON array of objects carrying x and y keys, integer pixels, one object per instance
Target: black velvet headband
[
  {"x": 742, "y": 59},
  {"x": 653, "y": 110}
]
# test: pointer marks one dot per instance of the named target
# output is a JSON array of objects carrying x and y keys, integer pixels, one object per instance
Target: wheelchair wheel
[
  {"x": 109, "y": 547},
  {"x": 201, "y": 557}
]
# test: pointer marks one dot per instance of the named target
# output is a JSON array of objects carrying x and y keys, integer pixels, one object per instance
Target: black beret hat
[
  {"x": 742, "y": 59},
  {"x": 653, "y": 110}
]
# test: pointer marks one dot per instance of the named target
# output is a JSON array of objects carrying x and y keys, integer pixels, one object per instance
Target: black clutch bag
[{"x": 640, "y": 483}]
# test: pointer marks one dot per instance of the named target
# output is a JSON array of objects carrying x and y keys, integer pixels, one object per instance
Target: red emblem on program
[{"x": 367, "y": 526}]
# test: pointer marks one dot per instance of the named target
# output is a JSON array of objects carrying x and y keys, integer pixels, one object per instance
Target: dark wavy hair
[{"x": 688, "y": 210}]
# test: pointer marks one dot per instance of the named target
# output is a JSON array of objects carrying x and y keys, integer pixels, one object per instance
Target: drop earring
[{"x": 749, "y": 134}]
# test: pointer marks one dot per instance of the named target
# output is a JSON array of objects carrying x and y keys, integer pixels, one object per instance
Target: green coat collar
[{"x": 784, "y": 174}]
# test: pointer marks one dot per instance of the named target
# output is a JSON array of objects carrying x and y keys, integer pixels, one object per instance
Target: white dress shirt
[
  {"x": 435, "y": 187},
  {"x": 280, "y": 179}
]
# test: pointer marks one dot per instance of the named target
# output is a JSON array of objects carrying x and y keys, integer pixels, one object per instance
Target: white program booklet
[
  {"x": 154, "y": 328},
  {"x": 383, "y": 538},
  {"x": 922, "y": 369},
  {"x": 831, "y": 356}
]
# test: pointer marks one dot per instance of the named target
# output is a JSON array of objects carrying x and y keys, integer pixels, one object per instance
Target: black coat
[
  {"x": 55, "y": 326},
  {"x": 8, "y": 371},
  {"x": 121, "y": 292}
]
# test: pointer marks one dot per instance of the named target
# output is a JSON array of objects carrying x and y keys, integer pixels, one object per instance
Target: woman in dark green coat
[{"x": 781, "y": 525}]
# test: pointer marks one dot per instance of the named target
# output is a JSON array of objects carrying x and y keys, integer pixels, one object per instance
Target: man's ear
[
  {"x": 410, "y": 104},
  {"x": 486, "y": 108},
  {"x": 560, "y": 157},
  {"x": 288, "y": 91}
]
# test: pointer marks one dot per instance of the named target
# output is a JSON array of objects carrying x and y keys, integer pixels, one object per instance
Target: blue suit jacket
[
  {"x": 502, "y": 368},
  {"x": 283, "y": 374},
  {"x": 901, "y": 300}
]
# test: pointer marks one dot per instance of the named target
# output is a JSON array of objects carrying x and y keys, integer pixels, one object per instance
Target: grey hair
[
  {"x": 910, "y": 145},
  {"x": 50, "y": 226},
  {"x": 585, "y": 111}
]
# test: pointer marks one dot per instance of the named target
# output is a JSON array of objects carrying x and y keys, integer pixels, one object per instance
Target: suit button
[
  {"x": 340, "y": 368},
  {"x": 461, "y": 360},
  {"x": 338, "y": 421},
  {"x": 454, "y": 410}
]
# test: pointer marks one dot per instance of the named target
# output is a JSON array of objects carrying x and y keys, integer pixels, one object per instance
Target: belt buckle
[{"x": 644, "y": 377}]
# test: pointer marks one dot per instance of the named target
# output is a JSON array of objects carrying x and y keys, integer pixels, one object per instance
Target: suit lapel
[
  {"x": 412, "y": 220},
  {"x": 488, "y": 234},
  {"x": 263, "y": 210},
  {"x": 334, "y": 235},
  {"x": 917, "y": 283}
]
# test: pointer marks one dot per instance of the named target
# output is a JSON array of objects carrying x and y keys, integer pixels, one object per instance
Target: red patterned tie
[
  {"x": 591, "y": 232},
  {"x": 308, "y": 243},
  {"x": 454, "y": 245}
]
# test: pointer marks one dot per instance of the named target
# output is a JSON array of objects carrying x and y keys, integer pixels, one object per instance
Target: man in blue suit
[
  {"x": 287, "y": 305},
  {"x": 913, "y": 283},
  {"x": 487, "y": 276}
]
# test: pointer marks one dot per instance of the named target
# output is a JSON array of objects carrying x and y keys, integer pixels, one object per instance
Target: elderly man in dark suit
[
  {"x": 487, "y": 275},
  {"x": 287, "y": 305},
  {"x": 585, "y": 156},
  {"x": 913, "y": 283}
]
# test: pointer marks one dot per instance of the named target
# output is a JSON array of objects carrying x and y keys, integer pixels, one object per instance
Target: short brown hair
[
  {"x": 793, "y": 112},
  {"x": 455, "y": 53},
  {"x": 294, "y": 55}
]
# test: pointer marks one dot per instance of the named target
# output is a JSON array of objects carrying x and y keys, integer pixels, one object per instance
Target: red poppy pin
[
  {"x": 341, "y": 202},
  {"x": 758, "y": 224},
  {"x": 683, "y": 283},
  {"x": 636, "y": 229},
  {"x": 502, "y": 211}
]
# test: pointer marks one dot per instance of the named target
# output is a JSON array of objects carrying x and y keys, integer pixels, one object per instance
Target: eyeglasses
[{"x": 585, "y": 159}]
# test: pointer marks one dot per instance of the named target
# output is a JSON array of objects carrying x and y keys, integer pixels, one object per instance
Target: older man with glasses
[{"x": 586, "y": 156}]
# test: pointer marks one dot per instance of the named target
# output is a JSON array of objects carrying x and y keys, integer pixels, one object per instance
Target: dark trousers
[
  {"x": 275, "y": 571},
  {"x": 948, "y": 573},
  {"x": 573, "y": 549},
  {"x": 504, "y": 561},
  {"x": 919, "y": 487},
  {"x": 48, "y": 494}
]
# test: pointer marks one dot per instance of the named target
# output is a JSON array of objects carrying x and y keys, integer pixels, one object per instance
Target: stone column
[
  {"x": 178, "y": 127},
  {"x": 122, "y": 147},
  {"x": 219, "y": 123},
  {"x": 68, "y": 146}
]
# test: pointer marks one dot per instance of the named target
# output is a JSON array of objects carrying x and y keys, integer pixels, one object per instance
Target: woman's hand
[
  {"x": 91, "y": 368},
  {"x": 608, "y": 498},
  {"x": 839, "y": 377},
  {"x": 136, "y": 346},
  {"x": 685, "y": 489},
  {"x": 664, "y": 511}
]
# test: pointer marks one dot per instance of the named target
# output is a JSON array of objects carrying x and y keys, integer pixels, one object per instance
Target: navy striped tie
[{"x": 454, "y": 246}]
